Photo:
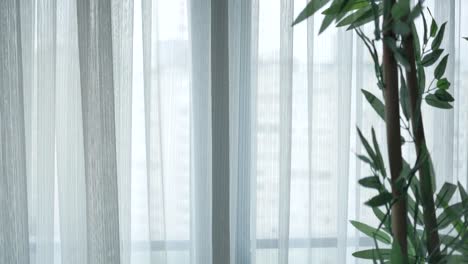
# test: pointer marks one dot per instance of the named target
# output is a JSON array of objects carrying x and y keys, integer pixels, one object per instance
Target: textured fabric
[
  {"x": 193, "y": 131},
  {"x": 122, "y": 48},
  {"x": 97, "y": 97},
  {"x": 71, "y": 185},
  {"x": 13, "y": 194},
  {"x": 45, "y": 147}
]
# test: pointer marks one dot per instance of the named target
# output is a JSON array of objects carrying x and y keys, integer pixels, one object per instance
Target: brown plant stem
[
  {"x": 429, "y": 215},
  {"x": 392, "y": 120}
]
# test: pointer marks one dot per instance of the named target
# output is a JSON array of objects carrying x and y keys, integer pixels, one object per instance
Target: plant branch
[
  {"x": 429, "y": 215},
  {"x": 392, "y": 119}
]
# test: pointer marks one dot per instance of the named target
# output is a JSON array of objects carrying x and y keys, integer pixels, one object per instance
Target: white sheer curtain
[{"x": 193, "y": 131}]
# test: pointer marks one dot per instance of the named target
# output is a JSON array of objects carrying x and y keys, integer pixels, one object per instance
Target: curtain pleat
[
  {"x": 122, "y": 41},
  {"x": 220, "y": 130},
  {"x": 253, "y": 130},
  {"x": 310, "y": 36},
  {"x": 285, "y": 126},
  {"x": 28, "y": 34},
  {"x": 69, "y": 139},
  {"x": 201, "y": 138},
  {"x": 13, "y": 192},
  {"x": 97, "y": 95},
  {"x": 241, "y": 103},
  {"x": 344, "y": 76},
  {"x": 154, "y": 147},
  {"x": 45, "y": 43}
]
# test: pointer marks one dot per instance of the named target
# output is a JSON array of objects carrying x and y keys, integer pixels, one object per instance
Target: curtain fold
[
  {"x": 285, "y": 126},
  {"x": 247, "y": 146},
  {"x": 154, "y": 141},
  {"x": 69, "y": 139},
  {"x": 99, "y": 137},
  {"x": 122, "y": 48},
  {"x": 220, "y": 131},
  {"x": 241, "y": 106},
  {"x": 13, "y": 191},
  {"x": 45, "y": 44},
  {"x": 201, "y": 139}
]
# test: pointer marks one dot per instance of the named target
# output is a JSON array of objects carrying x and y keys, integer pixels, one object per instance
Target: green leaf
[
  {"x": 425, "y": 38},
  {"x": 434, "y": 28},
  {"x": 400, "y": 9},
  {"x": 356, "y": 16},
  {"x": 432, "y": 100},
  {"x": 440, "y": 69},
  {"x": 372, "y": 182},
  {"x": 326, "y": 22},
  {"x": 396, "y": 256},
  {"x": 404, "y": 97},
  {"x": 464, "y": 198},
  {"x": 375, "y": 103},
  {"x": 380, "y": 163},
  {"x": 397, "y": 52},
  {"x": 445, "y": 194},
  {"x": 366, "y": 160},
  {"x": 463, "y": 194},
  {"x": 404, "y": 175},
  {"x": 421, "y": 78},
  {"x": 372, "y": 254},
  {"x": 439, "y": 37},
  {"x": 455, "y": 259},
  {"x": 415, "y": 12},
  {"x": 451, "y": 215},
  {"x": 339, "y": 8},
  {"x": 366, "y": 18},
  {"x": 401, "y": 28},
  {"x": 380, "y": 215},
  {"x": 431, "y": 58},
  {"x": 380, "y": 199},
  {"x": 416, "y": 42},
  {"x": 443, "y": 84},
  {"x": 372, "y": 232},
  {"x": 312, "y": 7},
  {"x": 412, "y": 207},
  {"x": 443, "y": 95},
  {"x": 368, "y": 148}
]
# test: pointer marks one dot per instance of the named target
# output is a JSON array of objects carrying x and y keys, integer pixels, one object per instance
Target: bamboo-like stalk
[
  {"x": 392, "y": 120},
  {"x": 429, "y": 215}
]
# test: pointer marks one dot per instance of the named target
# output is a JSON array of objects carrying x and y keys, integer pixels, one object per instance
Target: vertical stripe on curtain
[
  {"x": 285, "y": 126},
  {"x": 202, "y": 157},
  {"x": 344, "y": 75},
  {"x": 122, "y": 47},
  {"x": 28, "y": 27},
  {"x": 45, "y": 175},
  {"x": 220, "y": 131},
  {"x": 241, "y": 93},
  {"x": 69, "y": 139},
  {"x": 13, "y": 192},
  {"x": 154, "y": 141},
  {"x": 97, "y": 87},
  {"x": 310, "y": 36}
]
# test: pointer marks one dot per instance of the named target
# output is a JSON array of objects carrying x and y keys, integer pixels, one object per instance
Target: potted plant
[{"x": 411, "y": 229}]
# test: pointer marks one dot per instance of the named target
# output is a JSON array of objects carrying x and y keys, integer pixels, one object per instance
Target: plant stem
[
  {"x": 392, "y": 119},
  {"x": 429, "y": 215}
]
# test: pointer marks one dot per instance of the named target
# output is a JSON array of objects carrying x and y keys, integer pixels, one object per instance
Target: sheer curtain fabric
[{"x": 193, "y": 131}]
